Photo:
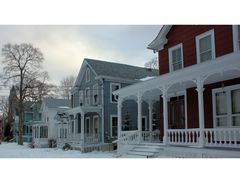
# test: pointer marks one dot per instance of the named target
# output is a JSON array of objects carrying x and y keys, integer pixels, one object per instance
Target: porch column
[
  {"x": 82, "y": 127},
  {"x": 119, "y": 112},
  {"x": 200, "y": 90},
  {"x": 139, "y": 102},
  {"x": 75, "y": 123},
  {"x": 150, "y": 107},
  {"x": 165, "y": 116}
]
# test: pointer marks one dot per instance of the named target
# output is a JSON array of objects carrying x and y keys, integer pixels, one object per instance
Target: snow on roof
[{"x": 147, "y": 78}]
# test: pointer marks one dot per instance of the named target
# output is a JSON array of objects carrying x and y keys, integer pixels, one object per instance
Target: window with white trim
[
  {"x": 114, "y": 126},
  {"x": 175, "y": 57},
  {"x": 205, "y": 46},
  {"x": 87, "y": 75},
  {"x": 114, "y": 87},
  {"x": 95, "y": 94},
  {"x": 87, "y": 96},
  {"x": 81, "y": 97},
  {"x": 226, "y": 106}
]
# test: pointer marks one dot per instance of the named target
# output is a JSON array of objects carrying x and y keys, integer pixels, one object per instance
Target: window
[
  {"x": 205, "y": 46},
  {"x": 114, "y": 126},
  {"x": 226, "y": 106},
  {"x": 87, "y": 96},
  {"x": 43, "y": 132},
  {"x": 63, "y": 133},
  {"x": 175, "y": 58},
  {"x": 95, "y": 94},
  {"x": 114, "y": 87},
  {"x": 81, "y": 98},
  {"x": 87, "y": 75}
]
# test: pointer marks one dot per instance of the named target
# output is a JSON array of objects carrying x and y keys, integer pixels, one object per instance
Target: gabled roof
[
  {"x": 55, "y": 103},
  {"x": 123, "y": 71},
  {"x": 105, "y": 69},
  {"x": 158, "y": 43}
]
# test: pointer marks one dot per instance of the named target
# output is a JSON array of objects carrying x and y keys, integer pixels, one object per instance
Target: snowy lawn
[{"x": 12, "y": 150}]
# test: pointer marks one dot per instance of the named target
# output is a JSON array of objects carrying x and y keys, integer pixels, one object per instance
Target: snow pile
[{"x": 12, "y": 150}]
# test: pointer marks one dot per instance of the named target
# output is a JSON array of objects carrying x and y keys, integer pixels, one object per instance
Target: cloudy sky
[{"x": 65, "y": 47}]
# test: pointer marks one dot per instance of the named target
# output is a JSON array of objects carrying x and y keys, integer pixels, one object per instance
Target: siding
[
  {"x": 186, "y": 34},
  {"x": 192, "y": 103}
]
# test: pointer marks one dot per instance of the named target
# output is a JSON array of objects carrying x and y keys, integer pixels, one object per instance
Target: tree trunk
[{"x": 20, "y": 124}]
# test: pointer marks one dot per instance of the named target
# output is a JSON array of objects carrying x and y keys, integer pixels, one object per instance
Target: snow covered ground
[{"x": 12, "y": 150}]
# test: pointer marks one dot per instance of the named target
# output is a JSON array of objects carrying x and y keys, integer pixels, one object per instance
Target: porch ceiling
[{"x": 222, "y": 68}]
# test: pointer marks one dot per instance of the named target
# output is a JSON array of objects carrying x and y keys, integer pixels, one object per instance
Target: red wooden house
[{"x": 198, "y": 87}]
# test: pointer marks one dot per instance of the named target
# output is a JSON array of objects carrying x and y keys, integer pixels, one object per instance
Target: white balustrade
[
  {"x": 183, "y": 136},
  {"x": 135, "y": 137},
  {"x": 222, "y": 137}
]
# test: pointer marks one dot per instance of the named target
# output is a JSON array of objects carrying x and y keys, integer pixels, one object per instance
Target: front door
[{"x": 176, "y": 113}]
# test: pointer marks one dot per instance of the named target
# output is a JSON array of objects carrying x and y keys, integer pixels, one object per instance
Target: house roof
[
  {"x": 123, "y": 71},
  {"x": 55, "y": 103},
  {"x": 158, "y": 43}
]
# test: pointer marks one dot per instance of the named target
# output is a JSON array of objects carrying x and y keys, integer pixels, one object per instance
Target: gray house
[{"x": 93, "y": 113}]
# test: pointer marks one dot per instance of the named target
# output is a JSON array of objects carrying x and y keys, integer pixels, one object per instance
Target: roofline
[{"x": 158, "y": 43}]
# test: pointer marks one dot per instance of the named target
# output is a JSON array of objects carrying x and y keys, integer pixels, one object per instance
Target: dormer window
[
  {"x": 205, "y": 46},
  {"x": 87, "y": 75},
  {"x": 176, "y": 57}
]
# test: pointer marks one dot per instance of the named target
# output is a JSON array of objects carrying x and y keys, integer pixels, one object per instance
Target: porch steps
[{"x": 145, "y": 150}]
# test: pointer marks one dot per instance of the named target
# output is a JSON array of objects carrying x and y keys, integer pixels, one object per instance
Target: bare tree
[
  {"x": 152, "y": 64},
  {"x": 66, "y": 85},
  {"x": 23, "y": 66}
]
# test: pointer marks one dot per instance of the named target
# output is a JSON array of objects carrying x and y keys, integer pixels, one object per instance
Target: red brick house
[{"x": 198, "y": 87}]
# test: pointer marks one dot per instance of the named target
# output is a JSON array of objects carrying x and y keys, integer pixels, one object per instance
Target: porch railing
[
  {"x": 183, "y": 136},
  {"x": 222, "y": 137},
  {"x": 88, "y": 138},
  {"x": 135, "y": 137},
  {"x": 91, "y": 138}
]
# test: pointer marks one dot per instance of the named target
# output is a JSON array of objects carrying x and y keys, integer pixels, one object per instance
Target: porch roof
[{"x": 222, "y": 68}]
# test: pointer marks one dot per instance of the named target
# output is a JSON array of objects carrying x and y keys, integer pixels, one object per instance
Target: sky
[{"x": 65, "y": 47}]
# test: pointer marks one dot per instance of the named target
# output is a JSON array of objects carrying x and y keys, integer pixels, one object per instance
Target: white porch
[
  {"x": 169, "y": 85},
  {"x": 40, "y": 134},
  {"x": 83, "y": 132}
]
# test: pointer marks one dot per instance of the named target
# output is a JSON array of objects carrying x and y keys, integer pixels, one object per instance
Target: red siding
[
  {"x": 192, "y": 103},
  {"x": 186, "y": 34}
]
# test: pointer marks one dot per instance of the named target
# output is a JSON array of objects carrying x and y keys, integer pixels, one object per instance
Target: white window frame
[
  {"x": 87, "y": 99},
  {"x": 170, "y": 50},
  {"x": 111, "y": 117},
  {"x": 111, "y": 86},
  {"x": 228, "y": 90},
  {"x": 205, "y": 34},
  {"x": 87, "y": 75},
  {"x": 95, "y": 92},
  {"x": 81, "y": 97}
]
